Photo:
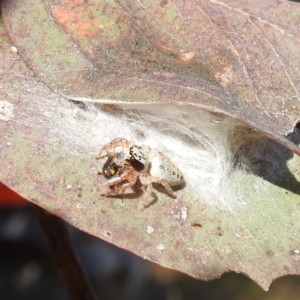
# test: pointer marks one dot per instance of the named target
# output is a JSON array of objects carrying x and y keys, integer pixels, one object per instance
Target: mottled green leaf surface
[{"x": 227, "y": 57}]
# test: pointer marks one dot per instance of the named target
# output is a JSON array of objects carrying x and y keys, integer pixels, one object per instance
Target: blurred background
[{"x": 27, "y": 273}]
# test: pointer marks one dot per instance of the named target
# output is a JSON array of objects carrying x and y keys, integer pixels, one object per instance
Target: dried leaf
[{"x": 235, "y": 58}]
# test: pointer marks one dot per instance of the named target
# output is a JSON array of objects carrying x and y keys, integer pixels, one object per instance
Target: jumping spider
[{"x": 128, "y": 165}]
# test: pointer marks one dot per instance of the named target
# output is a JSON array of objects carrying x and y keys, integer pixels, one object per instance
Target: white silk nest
[{"x": 212, "y": 151}]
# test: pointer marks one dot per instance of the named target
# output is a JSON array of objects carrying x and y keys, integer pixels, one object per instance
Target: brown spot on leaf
[
  {"x": 286, "y": 268},
  {"x": 195, "y": 224},
  {"x": 220, "y": 231}
]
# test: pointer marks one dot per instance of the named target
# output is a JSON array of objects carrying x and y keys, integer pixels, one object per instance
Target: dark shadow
[
  {"x": 155, "y": 199},
  {"x": 270, "y": 161},
  {"x": 126, "y": 195},
  {"x": 136, "y": 195},
  {"x": 162, "y": 190},
  {"x": 138, "y": 191}
]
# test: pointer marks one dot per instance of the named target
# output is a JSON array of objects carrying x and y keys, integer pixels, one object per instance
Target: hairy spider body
[
  {"x": 129, "y": 164},
  {"x": 124, "y": 177}
]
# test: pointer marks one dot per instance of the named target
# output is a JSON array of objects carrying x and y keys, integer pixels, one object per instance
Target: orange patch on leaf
[{"x": 76, "y": 20}]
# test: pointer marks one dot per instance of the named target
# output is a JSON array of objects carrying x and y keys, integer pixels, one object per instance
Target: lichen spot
[{"x": 6, "y": 110}]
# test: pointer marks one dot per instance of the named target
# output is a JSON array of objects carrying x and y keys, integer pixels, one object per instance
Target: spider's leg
[
  {"x": 118, "y": 189},
  {"x": 114, "y": 181},
  {"x": 124, "y": 180},
  {"x": 115, "y": 146},
  {"x": 167, "y": 187},
  {"x": 148, "y": 180},
  {"x": 127, "y": 175}
]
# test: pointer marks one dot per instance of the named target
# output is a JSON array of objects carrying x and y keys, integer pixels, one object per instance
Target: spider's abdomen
[{"x": 162, "y": 167}]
